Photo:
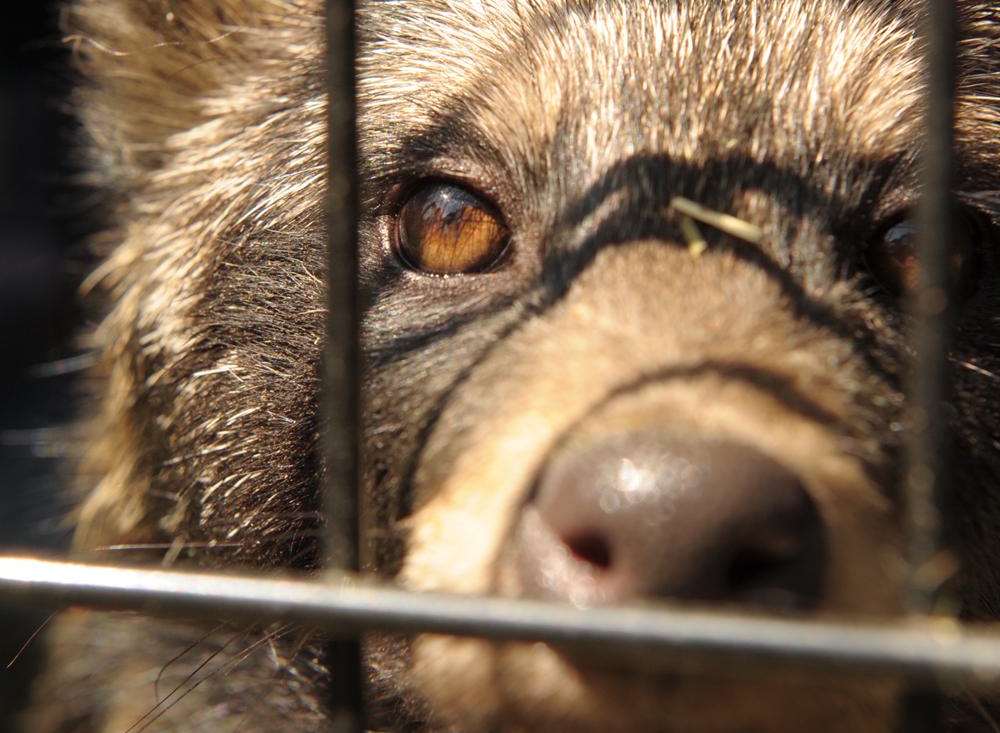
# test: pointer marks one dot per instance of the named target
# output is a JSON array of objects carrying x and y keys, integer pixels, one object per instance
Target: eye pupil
[{"x": 444, "y": 229}]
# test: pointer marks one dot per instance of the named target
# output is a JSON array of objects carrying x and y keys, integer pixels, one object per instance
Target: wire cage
[{"x": 932, "y": 651}]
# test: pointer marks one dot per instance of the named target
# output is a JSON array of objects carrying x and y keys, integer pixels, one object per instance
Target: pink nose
[{"x": 650, "y": 514}]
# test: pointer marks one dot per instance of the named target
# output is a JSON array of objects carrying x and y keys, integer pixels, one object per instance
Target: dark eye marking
[{"x": 444, "y": 229}]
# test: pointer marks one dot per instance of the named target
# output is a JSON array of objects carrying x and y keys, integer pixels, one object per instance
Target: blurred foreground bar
[
  {"x": 927, "y": 494},
  {"x": 927, "y": 471}
]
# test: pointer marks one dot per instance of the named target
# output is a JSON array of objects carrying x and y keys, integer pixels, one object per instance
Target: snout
[
  {"x": 650, "y": 434},
  {"x": 646, "y": 514}
]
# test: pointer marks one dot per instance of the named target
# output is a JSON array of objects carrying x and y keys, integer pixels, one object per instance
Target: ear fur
[{"x": 152, "y": 64}]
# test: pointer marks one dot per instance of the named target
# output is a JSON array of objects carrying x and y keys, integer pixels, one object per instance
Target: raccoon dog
[{"x": 563, "y": 398}]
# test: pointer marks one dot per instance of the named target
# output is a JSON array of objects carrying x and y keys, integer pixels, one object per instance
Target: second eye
[
  {"x": 444, "y": 229},
  {"x": 892, "y": 257}
]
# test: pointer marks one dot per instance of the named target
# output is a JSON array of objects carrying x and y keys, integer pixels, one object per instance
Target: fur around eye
[{"x": 444, "y": 229}]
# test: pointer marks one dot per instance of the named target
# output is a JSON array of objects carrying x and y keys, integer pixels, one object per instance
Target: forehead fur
[
  {"x": 766, "y": 78},
  {"x": 568, "y": 88},
  {"x": 539, "y": 79}
]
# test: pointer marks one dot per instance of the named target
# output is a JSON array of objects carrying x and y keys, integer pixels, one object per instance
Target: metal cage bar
[
  {"x": 926, "y": 477},
  {"x": 930, "y": 651},
  {"x": 928, "y": 440},
  {"x": 341, "y": 383},
  {"x": 640, "y": 637}
]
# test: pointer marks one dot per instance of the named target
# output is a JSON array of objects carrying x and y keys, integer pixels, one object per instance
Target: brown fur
[{"x": 580, "y": 119}]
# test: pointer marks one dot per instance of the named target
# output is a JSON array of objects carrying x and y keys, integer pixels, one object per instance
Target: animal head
[{"x": 572, "y": 390}]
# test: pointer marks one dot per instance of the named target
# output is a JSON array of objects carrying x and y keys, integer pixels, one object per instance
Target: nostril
[
  {"x": 759, "y": 578},
  {"x": 592, "y": 548},
  {"x": 782, "y": 574}
]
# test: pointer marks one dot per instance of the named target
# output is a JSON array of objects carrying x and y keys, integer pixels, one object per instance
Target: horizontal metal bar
[{"x": 650, "y": 636}]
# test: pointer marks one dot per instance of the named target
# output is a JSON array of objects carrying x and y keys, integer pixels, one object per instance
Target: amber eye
[
  {"x": 446, "y": 230},
  {"x": 892, "y": 258}
]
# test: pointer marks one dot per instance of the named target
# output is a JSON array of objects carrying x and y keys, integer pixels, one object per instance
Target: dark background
[{"x": 44, "y": 218}]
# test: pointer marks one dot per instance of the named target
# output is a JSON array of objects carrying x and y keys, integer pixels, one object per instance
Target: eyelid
[{"x": 481, "y": 181}]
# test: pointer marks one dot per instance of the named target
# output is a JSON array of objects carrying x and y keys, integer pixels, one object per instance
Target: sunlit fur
[{"x": 579, "y": 120}]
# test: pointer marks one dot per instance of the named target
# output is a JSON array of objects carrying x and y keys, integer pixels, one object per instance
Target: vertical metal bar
[
  {"x": 340, "y": 398},
  {"x": 927, "y": 470}
]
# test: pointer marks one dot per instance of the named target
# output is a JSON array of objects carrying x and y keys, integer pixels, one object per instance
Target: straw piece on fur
[{"x": 723, "y": 222}]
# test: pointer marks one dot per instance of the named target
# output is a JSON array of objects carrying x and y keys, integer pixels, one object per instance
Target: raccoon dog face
[{"x": 565, "y": 396}]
